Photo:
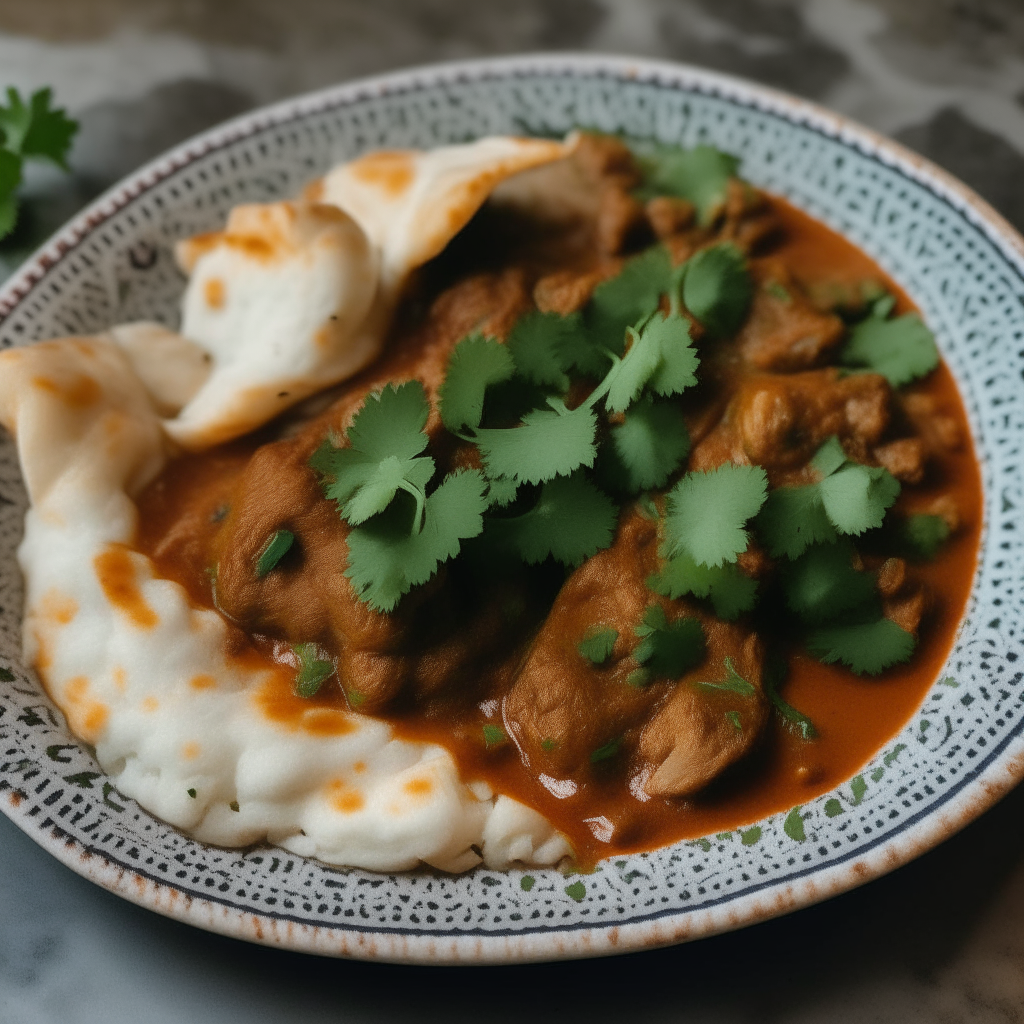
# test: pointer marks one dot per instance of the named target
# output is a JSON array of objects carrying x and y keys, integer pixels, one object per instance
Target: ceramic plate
[{"x": 960, "y": 262}]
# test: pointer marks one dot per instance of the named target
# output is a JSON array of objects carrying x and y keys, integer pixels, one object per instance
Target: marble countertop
[{"x": 939, "y": 940}]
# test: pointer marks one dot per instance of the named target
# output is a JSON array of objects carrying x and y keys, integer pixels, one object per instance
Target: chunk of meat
[
  {"x": 668, "y": 215},
  {"x": 784, "y": 332},
  {"x": 621, "y": 224},
  {"x": 904, "y": 458},
  {"x": 939, "y": 431},
  {"x": 562, "y": 709},
  {"x": 779, "y": 421}
]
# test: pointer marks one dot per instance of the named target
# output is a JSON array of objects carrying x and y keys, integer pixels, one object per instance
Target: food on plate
[{"x": 512, "y": 501}]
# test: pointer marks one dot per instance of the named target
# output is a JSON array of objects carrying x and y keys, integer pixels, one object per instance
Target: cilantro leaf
[
  {"x": 707, "y": 513},
  {"x": 822, "y": 583},
  {"x": 277, "y": 546},
  {"x": 10, "y": 178},
  {"x": 867, "y": 648},
  {"x": 313, "y": 669},
  {"x": 923, "y": 535},
  {"x": 829, "y": 457},
  {"x": 733, "y": 682},
  {"x": 387, "y": 556},
  {"x": 571, "y": 521},
  {"x": 667, "y": 649},
  {"x": 35, "y": 129},
  {"x": 626, "y": 299},
  {"x": 603, "y": 753},
  {"x": 540, "y": 344},
  {"x": 856, "y": 497},
  {"x": 550, "y": 442},
  {"x": 792, "y": 519},
  {"x": 660, "y": 355},
  {"x": 646, "y": 448},
  {"x": 494, "y": 735},
  {"x": 501, "y": 492},
  {"x": 700, "y": 175},
  {"x": 774, "y": 672},
  {"x": 731, "y": 591},
  {"x": 717, "y": 288},
  {"x": 475, "y": 363},
  {"x": 597, "y": 645},
  {"x": 901, "y": 350}
]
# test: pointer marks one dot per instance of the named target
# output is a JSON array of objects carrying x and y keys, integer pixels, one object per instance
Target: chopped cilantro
[
  {"x": 668, "y": 649},
  {"x": 717, "y": 288},
  {"x": 866, "y": 648},
  {"x": 733, "y": 682},
  {"x": 699, "y": 175},
  {"x": 858, "y": 787},
  {"x": 778, "y": 291},
  {"x": 734, "y": 717},
  {"x": 707, "y": 513},
  {"x": 833, "y": 807},
  {"x": 792, "y": 519},
  {"x": 10, "y": 179},
  {"x": 856, "y": 497},
  {"x": 501, "y": 492},
  {"x": 923, "y": 535},
  {"x": 475, "y": 364},
  {"x": 646, "y": 448},
  {"x": 597, "y": 645},
  {"x": 750, "y": 836},
  {"x": 572, "y": 520},
  {"x": 901, "y": 350},
  {"x": 191, "y": 793},
  {"x": 540, "y": 344},
  {"x": 822, "y": 583},
  {"x": 549, "y": 443},
  {"x": 527, "y": 882},
  {"x": 608, "y": 750},
  {"x": 731, "y": 591},
  {"x": 576, "y": 891},
  {"x": 386, "y": 439},
  {"x": 494, "y": 735},
  {"x": 793, "y": 826},
  {"x": 278, "y": 545},
  {"x": 387, "y": 556},
  {"x": 233, "y": 805},
  {"x": 773, "y": 675},
  {"x": 660, "y": 355},
  {"x": 313, "y": 669}
]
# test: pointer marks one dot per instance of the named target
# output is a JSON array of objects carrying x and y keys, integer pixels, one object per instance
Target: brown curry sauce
[{"x": 855, "y": 716}]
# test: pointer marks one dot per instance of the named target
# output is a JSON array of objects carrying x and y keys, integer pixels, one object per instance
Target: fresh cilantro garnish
[
  {"x": 660, "y": 357},
  {"x": 32, "y": 130},
  {"x": 778, "y": 291},
  {"x": 387, "y": 556},
  {"x": 734, "y": 717},
  {"x": 667, "y": 649},
  {"x": 191, "y": 793},
  {"x": 867, "y": 648},
  {"x": 541, "y": 344},
  {"x": 646, "y": 448},
  {"x": 571, "y": 520},
  {"x": 700, "y": 175},
  {"x": 313, "y": 669},
  {"x": 731, "y": 591},
  {"x": 501, "y": 492},
  {"x": 856, "y": 497},
  {"x": 733, "y": 682},
  {"x": 383, "y": 457},
  {"x": 901, "y": 349},
  {"x": 717, "y": 288},
  {"x": 549, "y": 443},
  {"x": 829, "y": 457},
  {"x": 597, "y": 645},
  {"x": 277, "y": 546},
  {"x": 494, "y": 735},
  {"x": 707, "y": 513},
  {"x": 773, "y": 676},
  {"x": 822, "y": 583},
  {"x": 792, "y": 519},
  {"x": 605, "y": 751},
  {"x": 923, "y": 535},
  {"x": 475, "y": 364}
]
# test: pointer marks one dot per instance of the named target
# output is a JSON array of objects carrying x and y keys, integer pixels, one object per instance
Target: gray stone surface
[{"x": 939, "y": 940}]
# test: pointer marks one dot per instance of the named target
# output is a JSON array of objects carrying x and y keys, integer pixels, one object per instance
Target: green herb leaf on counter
[
  {"x": 571, "y": 520},
  {"x": 667, "y": 649},
  {"x": 279, "y": 544},
  {"x": 475, "y": 364},
  {"x": 822, "y": 583},
  {"x": 646, "y": 448},
  {"x": 923, "y": 535},
  {"x": 313, "y": 669},
  {"x": 731, "y": 591},
  {"x": 867, "y": 648},
  {"x": 597, "y": 645},
  {"x": 733, "y": 682},
  {"x": 707, "y": 513},
  {"x": 700, "y": 175},
  {"x": 387, "y": 556},
  {"x": 717, "y": 288},
  {"x": 901, "y": 349}
]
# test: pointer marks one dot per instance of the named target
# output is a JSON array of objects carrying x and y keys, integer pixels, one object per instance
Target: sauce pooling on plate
[{"x": 784, "y": 479}]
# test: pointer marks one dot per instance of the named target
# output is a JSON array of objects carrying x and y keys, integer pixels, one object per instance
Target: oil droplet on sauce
[{"x": 116, "y": 573}]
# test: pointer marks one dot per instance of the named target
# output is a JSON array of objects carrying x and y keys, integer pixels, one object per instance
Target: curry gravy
[{"x": 181, "y": 517}]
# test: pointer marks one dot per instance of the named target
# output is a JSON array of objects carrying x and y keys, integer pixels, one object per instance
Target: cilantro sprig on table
[{"x": 30, "y": 130}]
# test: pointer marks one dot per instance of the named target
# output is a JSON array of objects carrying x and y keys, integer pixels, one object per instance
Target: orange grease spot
[
  {"x": 389, "y": 170},
  {"x": 80, "y": 392},
  {"x": 86, "y": 716},
  {"x": 277, "y": 702},
  {"x": 343, "y": 799},
  {"x": 214, "y": 292},
  {"x": 202, "y": 682},
  {"x": 116, "y": 573},
  {"x": 150, "y": 704},
  {"x": 120, "y": 679},
  {"x": 59, "y": 607},
  {"x": 418, "y": 787},
  {"x": 359, "y": 767},
  {"x": 190, "y": 751}
]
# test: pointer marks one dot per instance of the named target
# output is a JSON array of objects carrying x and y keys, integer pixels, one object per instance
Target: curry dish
[{"x": 543, "y": 677}]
